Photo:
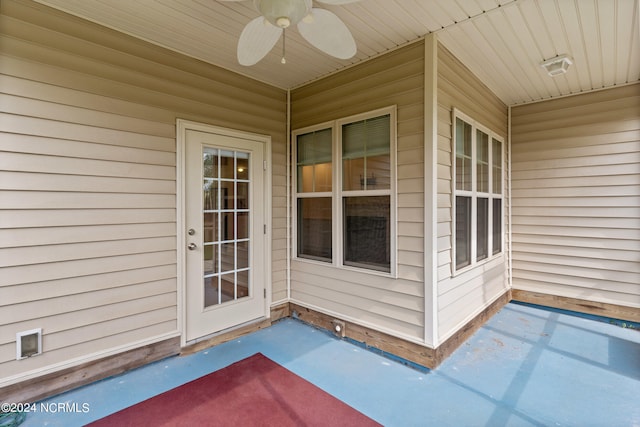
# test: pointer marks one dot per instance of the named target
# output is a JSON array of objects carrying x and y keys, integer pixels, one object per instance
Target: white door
[{"x": 224, "y": 219}]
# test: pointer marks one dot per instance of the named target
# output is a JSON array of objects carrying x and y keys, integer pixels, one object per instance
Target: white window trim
[
  {"x": 337, "y": 193},
  {"x": 474, "y": 194}
]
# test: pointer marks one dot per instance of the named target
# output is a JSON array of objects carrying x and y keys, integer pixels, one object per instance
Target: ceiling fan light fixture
[
  {"x": 283, "y": 22},
  {"x": 283, "y": 13}
]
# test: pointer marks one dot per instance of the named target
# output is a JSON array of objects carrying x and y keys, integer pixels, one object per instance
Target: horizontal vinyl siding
[
  {"x": 88, "y": 180},
  {"x": 392, "y": 305},
  {"x": 576, "y": 197},
  {"x": 463, "y": 296}
]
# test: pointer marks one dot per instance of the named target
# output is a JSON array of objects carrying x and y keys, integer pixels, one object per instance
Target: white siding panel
[{"x": 576, "y": 190}]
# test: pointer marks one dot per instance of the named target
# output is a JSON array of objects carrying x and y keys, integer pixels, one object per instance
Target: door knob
[{"x": 192, "y": 246}]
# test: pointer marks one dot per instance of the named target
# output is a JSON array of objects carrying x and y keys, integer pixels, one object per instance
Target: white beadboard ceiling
[{"x": 500, "y": 41}]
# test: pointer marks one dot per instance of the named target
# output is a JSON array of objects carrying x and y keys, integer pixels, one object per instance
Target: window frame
[
  {"x": 337, "y": 194},
  {"x": 474, "y": 194}
]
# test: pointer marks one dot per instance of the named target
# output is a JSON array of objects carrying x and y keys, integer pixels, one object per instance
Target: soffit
[{"x": 500, "y": 41}]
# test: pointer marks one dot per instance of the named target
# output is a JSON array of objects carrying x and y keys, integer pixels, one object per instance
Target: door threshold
[{"x": 229, "y": 334}]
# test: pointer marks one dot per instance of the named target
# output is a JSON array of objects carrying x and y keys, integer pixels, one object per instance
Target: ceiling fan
[{"x": 320, "y": 27}]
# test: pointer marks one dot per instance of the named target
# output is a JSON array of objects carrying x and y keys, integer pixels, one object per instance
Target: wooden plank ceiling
[{"x": 501, "y": 41}]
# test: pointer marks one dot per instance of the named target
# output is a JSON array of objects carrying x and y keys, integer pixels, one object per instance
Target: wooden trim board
[
  {"x": 277, "y": 312},
  {"x": 415, "y": 353},
  {"x": 613, "y": 311},
  {"x": 58, "y": 382},
  {"x": 67, "y": 379}
]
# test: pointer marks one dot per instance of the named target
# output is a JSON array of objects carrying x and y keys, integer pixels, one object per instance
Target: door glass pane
[
  {"x": 226, "y": 219},
  {"x": 227, "y": 194},
  {"x": 227, "y": 287},
  {"x": 242, "y": 255},
  {"x": 210, "y": 227},
  {"x": 211, "y": 290},
  {"x": 211, "y": 260},
  {"x": 227, "y": 164},
  {"x": 242, "y": 195},
  {"x": 242, "y": 288},
  {"x": 210, "y": 163},
  {"x": 242, "y": 230},
  {"x": 210, "y": 194}
]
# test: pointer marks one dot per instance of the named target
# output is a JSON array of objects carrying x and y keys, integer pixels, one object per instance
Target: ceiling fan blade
[
  {"x": 256, "y": 40},
  {"x": 334, "y": 1},
  {"x": 328, "y": 33}
]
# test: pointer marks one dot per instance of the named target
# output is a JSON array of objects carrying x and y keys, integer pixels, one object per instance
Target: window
[
  {"x": 351, "y": 223},
  {"x": 478, "y": 192},
  {"x": 314, "y": 188}
]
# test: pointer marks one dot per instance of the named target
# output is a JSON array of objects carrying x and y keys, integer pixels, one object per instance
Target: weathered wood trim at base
[
  {"x": 613, "y": 311},
  {"x": 225, "y": 337},
  {"x": 277, "y": 312},
  {"x": 452, "y": 343},
  {"x": 413, "y": 352},
  {"x": 280, "y": 311},
  {"x": 58, "y": 382},
  {"x": 404, "y": 349}
]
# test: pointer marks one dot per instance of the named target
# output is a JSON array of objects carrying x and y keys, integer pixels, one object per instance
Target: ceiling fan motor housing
[{"x": 283, "y": 13}]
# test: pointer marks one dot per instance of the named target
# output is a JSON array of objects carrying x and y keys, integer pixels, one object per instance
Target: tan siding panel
[
  {"x": 51, "y": 128},
  {"x": 576, "y": 191},
  {"x": 62, "y": 200},
  {"x": 68, "y": 165},
  {"x": 88, "y": 179},
  {"x": 63, "y": 113},
  {"x": 56, "y": 253},
  {"x": 51, "y": 271},
  {"x": 90, "y": 184},
  {"x": 393, "y": 79},
  {"x": 76, "y": 285},
  {"x": 54, "y": 218},
  {"x": 45, "y": 308},
  {"x": 87, "y": 346},
  {"x": 466, "y": 294},
  {"x": 28, "y": 144}
]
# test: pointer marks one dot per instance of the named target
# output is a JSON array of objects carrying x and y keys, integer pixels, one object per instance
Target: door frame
[{"x": 182, "y": 126}]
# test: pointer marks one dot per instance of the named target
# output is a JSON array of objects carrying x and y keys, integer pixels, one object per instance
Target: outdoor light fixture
[{"x": 556, "y": 66}]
